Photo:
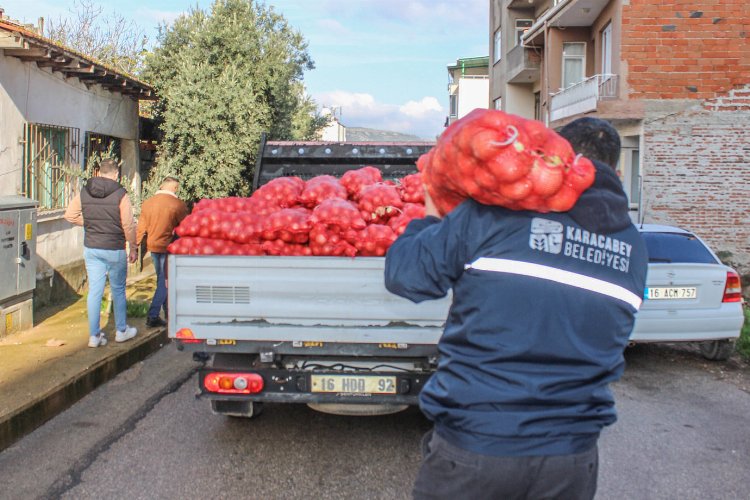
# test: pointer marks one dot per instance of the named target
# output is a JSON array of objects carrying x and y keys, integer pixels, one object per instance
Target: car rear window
[{"x": 675, "y": 247}]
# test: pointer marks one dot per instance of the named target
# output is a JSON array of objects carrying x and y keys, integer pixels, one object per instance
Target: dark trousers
[
  {"x": 159, "y": 301},
  {"x": 449, "y": 472}
]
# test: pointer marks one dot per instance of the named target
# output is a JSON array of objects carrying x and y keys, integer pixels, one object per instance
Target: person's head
[
  {"x": 594, "y": 138},
  {"x": 108, "y": 168},
  {"x": 170, "y": 184}
]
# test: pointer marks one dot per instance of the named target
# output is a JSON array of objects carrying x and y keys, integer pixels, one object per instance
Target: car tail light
[
  {"x": 187, "y": 336},
  {"x": 233, "y": 383},
  {"x": 733, "y": 288}
]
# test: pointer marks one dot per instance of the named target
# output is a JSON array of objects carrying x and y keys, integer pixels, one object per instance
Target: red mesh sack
[
  {"x": 355, "y": 180},
  {"x": 409, "y": 212},
  {"x": 198, "y": 246},
  {"x": 321, "y": 188},
  {"x": 502, "y": 159},
  {"x": 279, "y": 247},
  {"x": 411, "y": 189},
  {"x": 288, "y": 224},
  {"x": 283, "y": 191},
  {"x": 379, "y": 202},
  {"x": 341, "y": 213},
  {"x": 325, "y": 240},
  {"x": 374, "y": 240}
]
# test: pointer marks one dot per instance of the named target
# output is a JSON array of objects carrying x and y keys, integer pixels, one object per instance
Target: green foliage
[
  {"x": 137, "y": 309},
  {"x": 223, "y": 77},
  {"x": 743, "y": 343}
]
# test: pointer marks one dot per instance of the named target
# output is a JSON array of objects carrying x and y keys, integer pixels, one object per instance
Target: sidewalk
[{"x": 47, "y": 369}]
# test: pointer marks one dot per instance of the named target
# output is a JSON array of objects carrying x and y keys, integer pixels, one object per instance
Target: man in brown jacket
[{"x": 160, "y": 214}]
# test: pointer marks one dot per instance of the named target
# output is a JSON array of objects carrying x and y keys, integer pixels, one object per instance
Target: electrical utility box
[{"x": 17, "y": 263}]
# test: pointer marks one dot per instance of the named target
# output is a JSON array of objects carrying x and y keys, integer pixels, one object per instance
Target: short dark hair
[
  {"x": 594, "y": 138},
  {"x": 108, "y": 166}
]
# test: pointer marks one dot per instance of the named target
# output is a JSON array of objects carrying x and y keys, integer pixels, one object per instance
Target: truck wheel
[
  {"x": 717, "y": 350},
  {"x": 238, "y": 409}
]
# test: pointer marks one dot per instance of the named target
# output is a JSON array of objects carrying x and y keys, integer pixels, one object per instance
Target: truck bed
[{"x": 324, "y": 305}]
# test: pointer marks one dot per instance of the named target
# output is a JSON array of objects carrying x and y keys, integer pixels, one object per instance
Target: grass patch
[
  {"x": 137, "y": 309},
  {"x": 743, "y": 343}
]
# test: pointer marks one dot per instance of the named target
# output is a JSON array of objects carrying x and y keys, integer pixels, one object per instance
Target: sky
[{"x": 381, "y": 63}]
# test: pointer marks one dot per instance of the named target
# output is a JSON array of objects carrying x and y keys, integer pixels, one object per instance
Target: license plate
[
  {"x": 671, "y": 292},
  {"x": 354, "y": 384}
]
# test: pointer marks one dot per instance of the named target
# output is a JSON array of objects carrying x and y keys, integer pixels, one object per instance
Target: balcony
[
  {"x": 583, "y": 96},
  {"x": 523, "y": 65},
  {"x": 564, "y": 14}
]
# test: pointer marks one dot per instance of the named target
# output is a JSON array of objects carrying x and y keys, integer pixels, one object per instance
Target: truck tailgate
[{"x": 295, "y": 299}]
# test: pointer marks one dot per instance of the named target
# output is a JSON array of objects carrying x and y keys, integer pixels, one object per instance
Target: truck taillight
[
  {"x": 733, "y": 288},
  {"x": 186, "y": 335},
  {"x": 233, "y": 383}
]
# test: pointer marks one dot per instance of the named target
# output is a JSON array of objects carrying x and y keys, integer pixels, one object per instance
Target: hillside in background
[{"x": 359, "y": 134}]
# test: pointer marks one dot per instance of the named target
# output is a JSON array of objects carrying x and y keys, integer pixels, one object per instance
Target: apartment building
[
  {"x": 673, "y": 76},
  {"x": 468, "y": 87}
]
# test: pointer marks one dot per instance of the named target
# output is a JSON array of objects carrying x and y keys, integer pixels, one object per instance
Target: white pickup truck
[{"x": 317, "y": 330}]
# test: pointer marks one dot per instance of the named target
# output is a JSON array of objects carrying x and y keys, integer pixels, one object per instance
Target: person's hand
[
  {"x": 133, "y": 256},
  {"x": 429, "y": 205}
]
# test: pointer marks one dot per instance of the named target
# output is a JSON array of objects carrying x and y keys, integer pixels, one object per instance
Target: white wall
[
  {"x": 31, "y": 94},
  {"x": 472, "y": 93},
  {"x": 519, "y": 100}
]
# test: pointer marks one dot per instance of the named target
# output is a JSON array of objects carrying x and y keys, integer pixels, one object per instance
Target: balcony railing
[{"x": 582, "y": 96}]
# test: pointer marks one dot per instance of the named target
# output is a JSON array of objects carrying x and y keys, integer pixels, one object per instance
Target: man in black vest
[{"x": 104, "y": 210}]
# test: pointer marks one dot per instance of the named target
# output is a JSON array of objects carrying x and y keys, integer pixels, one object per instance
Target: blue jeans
[
  {"x": 160, "y": 295},
  {"x": 100, "y": 264}
]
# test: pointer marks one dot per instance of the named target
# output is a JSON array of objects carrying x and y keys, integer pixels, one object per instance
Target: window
[
  {"x": 453, "y": 105},
  {"x": 498, "y": 103},
  {"x": 50, "y": 160},
  {"x": 497, "y": 46},
  {"x": 538, "y": 106},
  {"x": 574, "y": 63},
  {"x": 99, "y": 146},
  {"x": 676, "y": 247},
  {"x": 522, "y": 26},
  {"x": 607, "y": 50}
]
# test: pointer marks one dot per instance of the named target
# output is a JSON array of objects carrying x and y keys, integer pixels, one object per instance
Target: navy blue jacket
[{"x": 543, "y": 305}]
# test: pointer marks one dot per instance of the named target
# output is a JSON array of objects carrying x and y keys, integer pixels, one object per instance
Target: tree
[
  {"x": 222, "y": 78},
  {"x": 112, "y": 40}
]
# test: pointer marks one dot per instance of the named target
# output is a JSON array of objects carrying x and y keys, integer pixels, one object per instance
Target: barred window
[{"x": 50, "y": 159}]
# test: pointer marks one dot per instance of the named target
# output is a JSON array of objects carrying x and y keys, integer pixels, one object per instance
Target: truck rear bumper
[{"x": 304, "y": 386}]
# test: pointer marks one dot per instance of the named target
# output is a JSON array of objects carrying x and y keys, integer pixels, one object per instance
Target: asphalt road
[{"x": 682, "y": 434}]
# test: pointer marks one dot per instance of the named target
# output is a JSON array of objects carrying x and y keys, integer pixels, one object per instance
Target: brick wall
[
  {"x": 696, "y": 171},
  {"x": 685, "y": 49}
]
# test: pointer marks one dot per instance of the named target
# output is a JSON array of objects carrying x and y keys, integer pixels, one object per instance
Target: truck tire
[{"x": 717, "y": 350}]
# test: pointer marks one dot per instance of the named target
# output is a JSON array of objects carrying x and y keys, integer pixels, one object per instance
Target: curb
[{"x": 46, "y": 406}]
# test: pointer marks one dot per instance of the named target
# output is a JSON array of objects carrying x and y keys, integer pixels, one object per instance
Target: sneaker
[
  {"x": 97, "y": 340},
  {"x": 157, "y": 321},
  {"x": 128, "y": 334}
]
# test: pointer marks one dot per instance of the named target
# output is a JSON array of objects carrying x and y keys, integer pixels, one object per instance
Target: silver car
[{"x": 690, "y": 295}]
